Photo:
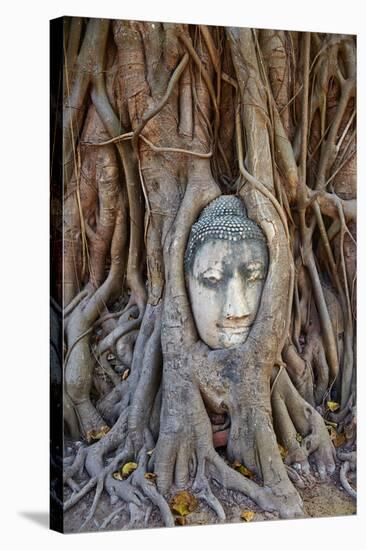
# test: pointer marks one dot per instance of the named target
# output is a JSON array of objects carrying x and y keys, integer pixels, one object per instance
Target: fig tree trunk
[{"x": 159, "y": 120}]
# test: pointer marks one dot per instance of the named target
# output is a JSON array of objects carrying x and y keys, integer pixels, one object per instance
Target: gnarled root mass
[{"x": 160, "y": 120}]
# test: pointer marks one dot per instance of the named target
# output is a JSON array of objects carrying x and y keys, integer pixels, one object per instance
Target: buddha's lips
[{"x": 236, "y": 328}]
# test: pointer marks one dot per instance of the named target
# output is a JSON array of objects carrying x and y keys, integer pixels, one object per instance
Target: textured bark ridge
[{"x": 160, "y": 119}]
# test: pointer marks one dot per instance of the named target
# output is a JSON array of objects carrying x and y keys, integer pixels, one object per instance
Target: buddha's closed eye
[
  {"x": 211, "y": 278},
  {"x": 255, "y": 272}
]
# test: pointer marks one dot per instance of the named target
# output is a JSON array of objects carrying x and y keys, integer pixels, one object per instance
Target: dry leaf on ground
[
  {"x": 283, "y": 451},
  {"x": 126, "y": 374},
  {"x": 242, "y": 469},
  {"x": 183, "y": 503},
  {"x": 125, "y": 471},
  {"x": 151, "y": 476},
  {"x": 247, "y": 515}
]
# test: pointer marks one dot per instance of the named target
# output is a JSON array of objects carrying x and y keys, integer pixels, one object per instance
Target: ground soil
[{"x": 321, "y": 499}]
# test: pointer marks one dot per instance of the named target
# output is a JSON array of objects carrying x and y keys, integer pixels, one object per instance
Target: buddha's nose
[{"x": 237, "y": 306}]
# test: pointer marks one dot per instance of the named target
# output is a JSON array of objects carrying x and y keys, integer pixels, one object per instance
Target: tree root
[
  {"x": 295, "y": 477},
  {"x": 75, "y": 498},
  {"x": 184, "y": 455},
  {"x": 349, "y": 464},
  {"x": 346, "y": 466},
  {"x": 111, "y": 516},
  {"x": 98, "y": 493},
  {"x": 202, "y": 487},
  {"x": 268, "y": 498},
  {"x": 121, "y": 330},
  {"x": 149, "y": 489},
  {"x": 187, "y": 449},
  {"x": 293, "y": 416},
  {"x": 78, "y": 463}
]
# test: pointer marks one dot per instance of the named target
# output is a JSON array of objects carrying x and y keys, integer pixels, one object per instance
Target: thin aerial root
[
  {"x": 154, "y": 147},
  {"x": 175, "y": 150},
  {"x": 203, "y": 72},
  {"x": 258, "y": 185},
  {"x": 157, "y": 108}
]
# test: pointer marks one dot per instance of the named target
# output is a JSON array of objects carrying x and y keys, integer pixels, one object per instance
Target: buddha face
[{"x": 225, "y": 283}]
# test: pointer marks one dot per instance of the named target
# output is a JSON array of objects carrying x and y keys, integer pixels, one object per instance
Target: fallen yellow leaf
[
  {"x": 246, "y": 472},
  {"x": 128, "y": 468},
  {"x": 126, "y": 374},
  {"x": 150, "y": 475},
  {"x": 283, "y": 451},
  {"x": 339, "y": 440},
  {"x": 247, "y": 515},
  {"x": 335, "y": 437},
  {"x": 242, "y": 469},
  {"x": 183, "y": 503},
  {"x": 332, "y": 406},
  {"x": 332, "y": 433},
  {"x": 95, "y": 435}
]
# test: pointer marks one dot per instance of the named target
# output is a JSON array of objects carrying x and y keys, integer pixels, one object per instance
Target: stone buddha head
[{"x": 226, "y": 263}]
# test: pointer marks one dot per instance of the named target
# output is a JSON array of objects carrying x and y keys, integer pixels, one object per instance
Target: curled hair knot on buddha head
[{"x": 224, "y": 218}]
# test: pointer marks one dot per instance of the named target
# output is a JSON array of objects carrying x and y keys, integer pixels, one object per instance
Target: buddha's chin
[{"x": 229, "y": 338}]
